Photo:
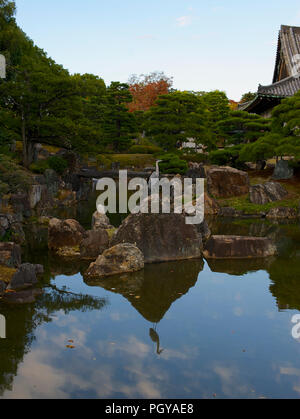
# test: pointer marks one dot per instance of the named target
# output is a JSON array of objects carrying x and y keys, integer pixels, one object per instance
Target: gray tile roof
[
  {"x": 284, "y": 88},
  {"x": 288, "y": 47}
]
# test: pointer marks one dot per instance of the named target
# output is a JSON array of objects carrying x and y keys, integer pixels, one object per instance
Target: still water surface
[{"x": 176, "y": 330}]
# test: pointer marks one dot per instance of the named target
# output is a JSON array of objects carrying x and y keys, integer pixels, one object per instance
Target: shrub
[
  {"x": 39, "y": 167},
  {"x": 58, "y": 164},
  {"x": 103, "y": 161},
  {"x": 13, "y": 178},
  {"x": 195, "y": 157},
  {"x": 172, "y": 164}
]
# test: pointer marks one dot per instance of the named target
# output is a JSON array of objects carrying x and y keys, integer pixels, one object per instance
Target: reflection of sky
[{"x": 225, "y": 337}]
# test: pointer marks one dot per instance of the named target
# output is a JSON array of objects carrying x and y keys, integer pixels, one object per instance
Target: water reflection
[
  {"x": 153, "y": 290},
  {"x": 188, "y": 331},
  {"x": 155, "y": 338}
]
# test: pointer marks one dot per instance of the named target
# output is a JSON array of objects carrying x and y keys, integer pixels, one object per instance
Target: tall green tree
[
  {"x": 284, "y": 138},
  {"x": 176, "y": 117},
  {"x": 119, "y": 126},
  {"x": 242, "y": 127}
]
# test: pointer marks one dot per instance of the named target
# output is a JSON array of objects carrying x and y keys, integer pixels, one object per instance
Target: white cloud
[{"x": 184, "y": 21}]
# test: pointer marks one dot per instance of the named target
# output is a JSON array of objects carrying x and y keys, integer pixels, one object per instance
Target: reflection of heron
[{"x": 155, "y": 338}]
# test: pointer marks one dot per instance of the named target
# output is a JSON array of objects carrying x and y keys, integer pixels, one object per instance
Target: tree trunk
[{"x": 28, "y": 146}]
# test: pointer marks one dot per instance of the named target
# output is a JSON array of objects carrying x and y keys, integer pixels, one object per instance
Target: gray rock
[
  {"x": 64, "y": 233},
  {"x": 26, "y": 276},
  {"x": 100, "y": 221},
  {"x": 119, "y": 259},
  {"x": 94, "y": 244},
  {"x": 269, "y": 192},
  {"x": 238, "y": 247},
  {"x": 161, "y": 237},
  {"x": 283, "y": 170},
  {"x": 282, "y": 213},
  {"x": 226, "y": 182}
]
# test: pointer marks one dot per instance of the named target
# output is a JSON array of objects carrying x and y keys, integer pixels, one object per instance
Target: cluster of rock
[
  {"x": 226, "y": 182},
  {"x": 17, "y": 280}
]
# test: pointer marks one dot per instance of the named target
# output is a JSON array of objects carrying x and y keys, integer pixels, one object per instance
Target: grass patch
[
  {"x": 6, "y": 273},
  {"x": 242, "y": 203},
  {"x": 137, "y": 161}
]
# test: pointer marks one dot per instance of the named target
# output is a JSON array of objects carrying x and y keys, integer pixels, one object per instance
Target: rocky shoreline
[{"x": 141, "y": 238}]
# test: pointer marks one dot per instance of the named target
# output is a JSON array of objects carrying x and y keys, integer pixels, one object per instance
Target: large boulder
[
  {"x": 161, "y": 237},
  {"x": 282, "y": 213},
  {"x": 94, "y": 244},
  {"x": 10, "y": 254},
  {"x": 283, "y": 171},
  {"x": 269, "y": 192},
  {"x": 238, "y": 247},
  {"x": 119, "y": 259},
  {"x": 26, "y": 276},
  {"x": 64, "y": 233},
  {"x": 226, "y": 182}
]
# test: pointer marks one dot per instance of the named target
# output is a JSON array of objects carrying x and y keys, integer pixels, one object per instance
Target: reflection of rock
[
  {"x": 238, "y": 247},
  {"x": 161, "y": 237},
  {"x": 239, "y": 267},
  {"x": 23, "y": 297},
  {"x": 10, "y": 254},
  {"x": 153, "y": 290},
  {"x": 269, "y": 192},
  {"x": 68, "y": 267},
  {"x": 119, "y": 259},
  {"x": 225, "y": 182}
]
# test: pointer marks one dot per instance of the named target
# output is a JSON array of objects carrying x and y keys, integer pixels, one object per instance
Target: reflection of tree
[
  {"x": 285, "y": 275},
  {"x": 239, "y": 267},
  {"x": 154, "y": 290},
  {"x": 23, "y": 320}
]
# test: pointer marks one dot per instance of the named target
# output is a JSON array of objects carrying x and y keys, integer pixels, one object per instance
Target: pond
[{"x": 188, "y": 329}]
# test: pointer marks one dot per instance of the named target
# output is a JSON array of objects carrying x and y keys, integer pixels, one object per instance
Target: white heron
[{"x": 154, "y": 178}]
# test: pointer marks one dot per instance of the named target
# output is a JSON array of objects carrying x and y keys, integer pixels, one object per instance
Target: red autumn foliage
[{"x": 145, "y": 90}]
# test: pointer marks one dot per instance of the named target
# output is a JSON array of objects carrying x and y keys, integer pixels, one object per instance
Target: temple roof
[
  {"x": 288, "y": 47},
  {"x": 283, "y": 88},
  {"x": 285, "y": 83}
]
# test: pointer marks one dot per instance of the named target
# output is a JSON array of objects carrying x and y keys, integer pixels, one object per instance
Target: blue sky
[{"x": 204, "y": 45}]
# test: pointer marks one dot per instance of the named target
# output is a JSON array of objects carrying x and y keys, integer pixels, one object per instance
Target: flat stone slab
[{"x": 238, "y": 247}]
